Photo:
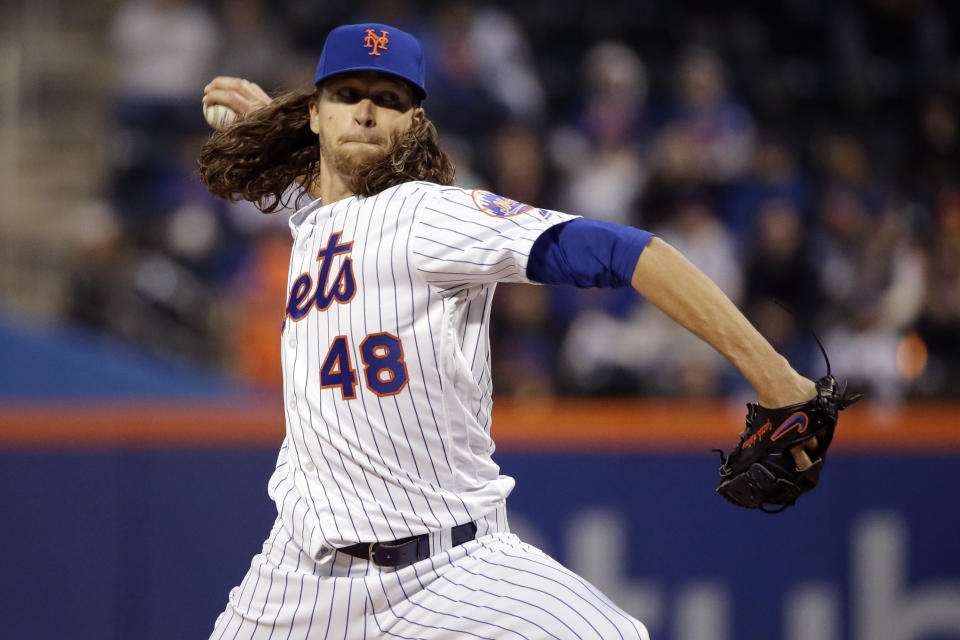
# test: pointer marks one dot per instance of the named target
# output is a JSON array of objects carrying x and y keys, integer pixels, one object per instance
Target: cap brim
[{"x": 417, "y": 89}]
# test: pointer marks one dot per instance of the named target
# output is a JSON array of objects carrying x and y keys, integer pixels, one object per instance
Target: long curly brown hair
[{"x": 259, "y": 157}]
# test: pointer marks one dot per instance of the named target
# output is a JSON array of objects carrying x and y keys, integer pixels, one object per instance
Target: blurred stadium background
[{"x": 805, "y": 152}]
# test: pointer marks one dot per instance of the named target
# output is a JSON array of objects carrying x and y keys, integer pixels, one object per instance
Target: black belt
[{"x": 407, "y": 550}]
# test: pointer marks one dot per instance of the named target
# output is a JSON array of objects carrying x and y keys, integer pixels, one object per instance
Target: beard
[
  {"x": 413, "y": 154},
  {"x": 350, "y": 163}
]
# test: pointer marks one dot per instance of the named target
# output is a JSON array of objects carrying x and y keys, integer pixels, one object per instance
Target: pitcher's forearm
[{"x": 677, "y": 287}]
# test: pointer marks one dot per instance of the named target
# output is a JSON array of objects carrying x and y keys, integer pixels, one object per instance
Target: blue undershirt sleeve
[{"x": 587, "y": 253}]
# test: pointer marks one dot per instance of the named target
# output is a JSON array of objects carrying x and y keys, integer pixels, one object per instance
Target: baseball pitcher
[{"x": 391, "y": 513}]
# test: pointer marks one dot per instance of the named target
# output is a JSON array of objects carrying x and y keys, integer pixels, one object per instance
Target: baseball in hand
[{"x": 218, "y": 116}]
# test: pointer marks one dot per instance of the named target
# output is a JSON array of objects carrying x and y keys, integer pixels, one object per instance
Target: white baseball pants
[{"x": 492, "y": 587}]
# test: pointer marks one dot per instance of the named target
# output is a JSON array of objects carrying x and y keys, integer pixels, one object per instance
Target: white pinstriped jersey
[{"x": 386, "y": 362}]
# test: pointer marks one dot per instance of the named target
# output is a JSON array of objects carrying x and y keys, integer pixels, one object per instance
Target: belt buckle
[{"x": 370, "y": 554}]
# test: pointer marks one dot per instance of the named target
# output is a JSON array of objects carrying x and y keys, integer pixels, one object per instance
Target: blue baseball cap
[{"x": 373, "y": 47}]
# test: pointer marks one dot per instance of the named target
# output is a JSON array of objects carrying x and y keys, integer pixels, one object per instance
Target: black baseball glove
[{"x": 760, "y": 472}]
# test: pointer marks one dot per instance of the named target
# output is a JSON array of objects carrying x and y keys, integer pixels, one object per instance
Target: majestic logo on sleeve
[
  {"x": 303, "y": 296},
  {"x": 374, "y": 42},
  {"x": 498, "y": 206}
]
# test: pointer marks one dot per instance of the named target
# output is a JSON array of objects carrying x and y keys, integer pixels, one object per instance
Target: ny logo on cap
[{"x": 375, "y": 42}]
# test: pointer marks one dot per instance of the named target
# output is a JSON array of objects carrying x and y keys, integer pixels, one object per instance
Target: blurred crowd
[{"x": 804, "y": 154}]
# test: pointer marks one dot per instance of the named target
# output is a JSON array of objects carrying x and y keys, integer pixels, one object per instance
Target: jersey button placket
[{"x": 292, "y": 402}]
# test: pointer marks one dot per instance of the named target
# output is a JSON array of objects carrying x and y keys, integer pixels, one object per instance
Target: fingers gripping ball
[
  {"x": 760, "y": 472},
  {"x": 219, "y": 116}
]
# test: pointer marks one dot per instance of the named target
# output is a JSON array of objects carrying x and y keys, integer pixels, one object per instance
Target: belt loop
[{"x": 435, "y": 540}]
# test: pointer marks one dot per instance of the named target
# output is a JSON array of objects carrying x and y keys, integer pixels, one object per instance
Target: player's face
[{"x": 357, "y": 115}]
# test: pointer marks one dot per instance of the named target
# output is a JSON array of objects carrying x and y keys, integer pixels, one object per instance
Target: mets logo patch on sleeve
[{"x": 498, "y": 206}]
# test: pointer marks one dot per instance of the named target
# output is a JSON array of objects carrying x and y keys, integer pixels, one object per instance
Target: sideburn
[{"x": 415, "y": 155}]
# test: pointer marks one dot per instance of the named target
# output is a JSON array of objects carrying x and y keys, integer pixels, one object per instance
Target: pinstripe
[
  {"x": 286, "y": 390},
  {"x": 266, "y": 599},
  {"x": 486, "y": 399},
  {"x": 365, "y": 602},
  {"x": 473, "y": 262},
  {"x": 233, "y": 617},
  {"x": 457, "y": 290},
  {"x": 564, "y": 573},
  {"x": 389, "y": 493},
  {"x": 235, "y": 608},
  {"x": 443, "y": 448},
  {"x": 461, "y": 602},
  {"x": 543, "y": 590},
  {"x": 379, "y": 403},
  {"x": 330, "y": 610},
  {"x": 382, "y": 630},
  {"x": 422, "y": 456},
  {"x": 286, "y": 577},
  {"x": 465, "y": 321},
  {"x": 336, "y": 412},
  {"x": 480, "y": 408},
  {"x": 226, "y": 627},
  {"x": 295, "y": 611},
  {"x": 411, "y": 622},
  {"x": 250, "y": 602},
  {"x": 252, "y": 597},
  {"x": 380, "y": 325},
  {"x": 603, "y": 599},
  {"x": 415, "y": 414},
  {"x": 283, "y": 601},
  {"x": 414, "y": 603},
  {"x": 470, "y": 208},
  {"x": 430, "y": 611},
  {"x": 462, "y": 221},
  {"x": 519, "y": 253},
  {"x": 487, "y": 622},
  {"x": 433, "y": 347},
  {"x": 323, "y": 488},
  {"x": 598, "y": 595},
  {"x": 505, "y": 596},
  {"x": 314, "y": 609},
  {"x": 436, "y": 364},
  {"x": 502, "y": 612},
  {"x": 483, "y": 380},
  {"x": 458, "y": 283},
  {"x": 303, "y": 520},
  {"x": 363, "y": 398},
  {"x": 449, "y": 230},
  {"x": 498, "y": 272},
  {"x": 483, "y": 312},
  {"x": 300, "y": 501},
  {"x": 442, "y": 244},
  {"x": 329, "y": 229},
  {"x": 409, "y": 394},
  {"x": 399, "y": 416}
]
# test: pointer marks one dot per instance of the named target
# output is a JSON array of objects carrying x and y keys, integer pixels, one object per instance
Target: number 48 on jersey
[{"x": 384, "y": 370}]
